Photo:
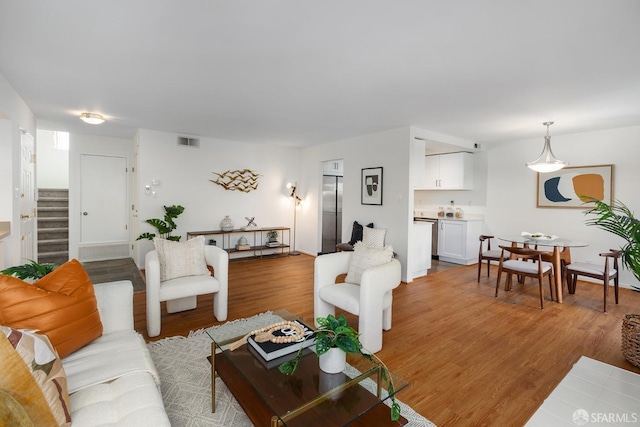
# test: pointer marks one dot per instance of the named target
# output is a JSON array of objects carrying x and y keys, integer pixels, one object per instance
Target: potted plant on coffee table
[{"x": 334, "y": 339}]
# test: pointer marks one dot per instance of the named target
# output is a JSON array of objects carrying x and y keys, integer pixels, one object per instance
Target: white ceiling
[{"x": 302, "y": 72}]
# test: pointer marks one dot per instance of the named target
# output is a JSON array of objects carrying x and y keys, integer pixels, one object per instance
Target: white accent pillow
[
  {"x": 373, "y": 236},
  {"x": 179, "y": 259},
  {"x": 365, "y": 257}
]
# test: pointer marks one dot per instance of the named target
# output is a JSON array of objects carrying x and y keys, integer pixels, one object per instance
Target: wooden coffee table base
[{"x": 260, "y": 414}]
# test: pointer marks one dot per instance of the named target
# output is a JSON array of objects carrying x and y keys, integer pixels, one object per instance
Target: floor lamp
[{"x": 296, "y": 202}]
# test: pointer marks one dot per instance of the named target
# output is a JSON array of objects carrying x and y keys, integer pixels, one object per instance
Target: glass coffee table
[{"x": 307, "y": 398}]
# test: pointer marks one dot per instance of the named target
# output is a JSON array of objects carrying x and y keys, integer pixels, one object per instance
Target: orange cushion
[{"x": 61, "y": 305}]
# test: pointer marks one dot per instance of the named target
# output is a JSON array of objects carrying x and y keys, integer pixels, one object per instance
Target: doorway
[
  {"x": 332, "y": 185},
  {"x": 104, "y": 223}
]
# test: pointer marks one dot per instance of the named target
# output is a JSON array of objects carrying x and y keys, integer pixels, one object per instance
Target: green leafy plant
[
  {"x": 31, "y": 270},
  {"x": 164, "y": 227},
  {"x": 618, "y": 219},
  {"x": 336, "y": 332},
  {"x": 272, "y": 235}
]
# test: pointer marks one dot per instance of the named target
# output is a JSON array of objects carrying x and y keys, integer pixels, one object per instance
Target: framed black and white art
[{"x": 371, "y": 191}]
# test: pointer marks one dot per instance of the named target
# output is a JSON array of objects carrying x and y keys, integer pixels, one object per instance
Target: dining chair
[
  {"x": 487, "y": 255},
  {"x": 522, "y": 267},
  {"x": 604, "y": 272}
]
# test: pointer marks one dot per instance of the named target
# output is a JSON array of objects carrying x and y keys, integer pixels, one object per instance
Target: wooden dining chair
[
  {"x": 522, "y": 267},
  {"x": 487, "y": 255},
  {"x": 604, "y": 272}
]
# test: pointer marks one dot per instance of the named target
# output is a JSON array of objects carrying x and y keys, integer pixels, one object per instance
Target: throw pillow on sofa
[
  {"x": 61, "y": 305},
  {"x": 33, "y": 377},
  {"x": 180, "y": 259},
  {"x": 365, "y": 257}
]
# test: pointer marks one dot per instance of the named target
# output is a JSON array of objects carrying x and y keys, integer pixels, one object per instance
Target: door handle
[
  {"x": 25, "y": 216},
  {"x": 85, "y": 213}
]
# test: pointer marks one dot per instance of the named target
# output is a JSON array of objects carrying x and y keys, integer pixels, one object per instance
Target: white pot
[{"x": 333, "y": 361}]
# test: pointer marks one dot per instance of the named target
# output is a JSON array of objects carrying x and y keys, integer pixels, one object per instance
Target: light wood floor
[{"x": 472, "y": 359}]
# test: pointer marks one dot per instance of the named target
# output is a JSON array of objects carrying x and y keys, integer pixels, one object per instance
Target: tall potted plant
[
  {"x": 336, "y": 336},
  {"x": 164, "y": 227},
  {"x": 618, "y": 219}
]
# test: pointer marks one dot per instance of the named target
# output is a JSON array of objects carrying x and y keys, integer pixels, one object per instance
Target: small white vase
[
  {"x": 226, "y": 224},
  {"x": 333, "y": 361}
]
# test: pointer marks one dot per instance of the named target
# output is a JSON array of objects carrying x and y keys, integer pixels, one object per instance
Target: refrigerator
[{"x": 331, "y": 212}]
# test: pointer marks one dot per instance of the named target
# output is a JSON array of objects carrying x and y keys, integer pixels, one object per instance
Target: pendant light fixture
[
  {"x": 92, "y": 118},
  {"x": 547, "y": 162}
]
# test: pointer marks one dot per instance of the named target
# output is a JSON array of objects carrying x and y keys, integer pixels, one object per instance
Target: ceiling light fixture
[
  {"x": 547, "y": 162},
  {"x": 92, "y": 118}
]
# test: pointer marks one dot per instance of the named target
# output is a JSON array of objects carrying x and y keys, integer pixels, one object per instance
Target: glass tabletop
[
  {"x": 543, "y": 241},
  {"x": 308, "y": 394}
]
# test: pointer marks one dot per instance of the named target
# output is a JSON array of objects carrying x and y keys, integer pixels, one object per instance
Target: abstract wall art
[
  {"x": 575, "y": 186},
  {"x": 244, "y": 180},
  {"x": 371, "y": 191}
]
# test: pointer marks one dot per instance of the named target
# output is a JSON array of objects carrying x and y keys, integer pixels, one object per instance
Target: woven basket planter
[{"x": 631, "y": 338}]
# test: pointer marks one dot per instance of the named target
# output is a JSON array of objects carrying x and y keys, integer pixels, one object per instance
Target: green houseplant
[
  {"x": 272, "y": 235},
  {"x": 618, "y": 219},
  {"x": 336, "y": 333},
  {"x": 30, "y": 270},
  {"x": 164, "y": 227}
]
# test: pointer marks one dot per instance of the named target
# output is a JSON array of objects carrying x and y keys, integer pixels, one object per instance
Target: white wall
[
  {"x": 390, "y": 150},
  {"x": 185, "y": 174},
  {"x": 53, "y": 164},
  {"x": 14, "y": 115},
  {"x": 511, "y": 188}
]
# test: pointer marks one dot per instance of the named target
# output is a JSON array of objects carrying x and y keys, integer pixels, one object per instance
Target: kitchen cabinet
[
  {"x": 453, "y": 171},
  {"x": 458, "y": 240}
]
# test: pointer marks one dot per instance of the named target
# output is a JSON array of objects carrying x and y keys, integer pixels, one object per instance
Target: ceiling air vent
[{"x": 184, "y": 141}]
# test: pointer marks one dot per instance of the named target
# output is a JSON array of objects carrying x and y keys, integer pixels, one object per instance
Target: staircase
[{"x": 53, "y": 225}]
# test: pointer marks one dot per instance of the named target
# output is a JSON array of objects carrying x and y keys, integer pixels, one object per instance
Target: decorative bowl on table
[{"x": 538, "y": 236}]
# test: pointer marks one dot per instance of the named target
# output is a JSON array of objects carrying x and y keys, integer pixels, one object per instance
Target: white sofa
[{"x": 113, "y": 381}]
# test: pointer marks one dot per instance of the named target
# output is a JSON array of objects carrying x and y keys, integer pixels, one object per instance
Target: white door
[
  {"x": 103, "y": 190},
  {"x": 28, "y": 232},
  {"x": 451, "y": 174}
]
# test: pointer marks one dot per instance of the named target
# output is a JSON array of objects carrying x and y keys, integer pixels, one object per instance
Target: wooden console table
[{"x": 257, "y": 238}]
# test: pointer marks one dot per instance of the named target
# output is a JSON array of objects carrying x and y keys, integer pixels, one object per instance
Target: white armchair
[
  {"x": 370, "y": 301},
  {"x": 181, "y": 293}
]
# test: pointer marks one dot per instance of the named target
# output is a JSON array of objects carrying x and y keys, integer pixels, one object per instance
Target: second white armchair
[
  {"x": 181, "y": 293},
  {"x": 371, "y": 300}
]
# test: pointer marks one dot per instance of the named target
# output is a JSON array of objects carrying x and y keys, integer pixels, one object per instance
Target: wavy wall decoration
[{"x": 244, "y": 180}]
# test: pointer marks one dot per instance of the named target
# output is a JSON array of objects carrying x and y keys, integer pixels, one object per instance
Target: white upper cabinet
[{"x": 452, "y": 171}]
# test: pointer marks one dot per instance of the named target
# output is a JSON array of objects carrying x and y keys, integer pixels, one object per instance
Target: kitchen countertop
[{"x": 418, "y": 214}]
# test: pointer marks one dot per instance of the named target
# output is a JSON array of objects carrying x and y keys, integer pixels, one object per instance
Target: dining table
[{"x": 560, "y": 253}]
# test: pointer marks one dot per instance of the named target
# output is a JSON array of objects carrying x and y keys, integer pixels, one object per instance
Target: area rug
[{"x": 185, "y": 376}]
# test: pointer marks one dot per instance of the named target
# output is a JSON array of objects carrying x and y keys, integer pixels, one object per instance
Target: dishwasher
[{"x": 434, "y": 234}]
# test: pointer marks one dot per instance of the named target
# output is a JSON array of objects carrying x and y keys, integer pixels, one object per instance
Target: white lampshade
[
  {"x": 546, "y": 162},
  {"x": 92, "y": 118}
]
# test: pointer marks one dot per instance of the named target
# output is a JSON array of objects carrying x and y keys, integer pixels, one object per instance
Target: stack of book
[
  {"x": 270, "y": 351},
  {"x": 272, "y": 244},
  {"x": 242, "y": 247}
]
